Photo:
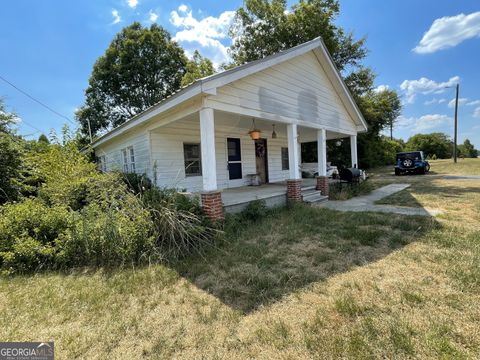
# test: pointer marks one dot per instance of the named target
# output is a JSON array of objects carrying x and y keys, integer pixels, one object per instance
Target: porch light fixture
[
  {"x": 274, "y": 134},
  {"x": 254, "y": 133}
]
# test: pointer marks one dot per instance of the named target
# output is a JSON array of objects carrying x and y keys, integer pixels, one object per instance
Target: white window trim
[
  {"x": 128, "y": 157},
  {"x": 102, "y": 164},
  {"x": 199, "y": 159}
]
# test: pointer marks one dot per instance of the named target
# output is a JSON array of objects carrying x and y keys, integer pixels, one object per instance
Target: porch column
[
  {"x": 294, "y": 184},
  {"x": 322, "y": 179},
  {"x": 353, "y": 150},
  {"x": 322, "y": 152},
  {"x": 211, "y": 197}
]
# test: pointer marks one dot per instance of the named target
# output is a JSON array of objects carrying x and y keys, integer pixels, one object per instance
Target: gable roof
[{"x": 208, "y": 85}]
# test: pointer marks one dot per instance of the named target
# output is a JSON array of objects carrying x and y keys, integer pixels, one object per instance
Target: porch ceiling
[{"x": 236, "y": 121}]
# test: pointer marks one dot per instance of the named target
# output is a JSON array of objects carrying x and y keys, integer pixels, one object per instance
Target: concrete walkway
[
  {"x": 462, "y": 177},
  {"x": 366, "y": 203}
]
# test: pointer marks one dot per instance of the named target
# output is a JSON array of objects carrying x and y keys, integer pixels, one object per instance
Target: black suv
[{"x": 412, "y": 162}]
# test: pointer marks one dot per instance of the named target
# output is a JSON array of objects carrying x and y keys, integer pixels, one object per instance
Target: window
[
  {"x": 234, "y": 159},
  {"x": 191, "y": 154},
  {"x": 102, "y": 165},
  {"x": 128, "y": 159},
  {"x": 285, "y": 164},
  {"x": 132, "y": 159}
]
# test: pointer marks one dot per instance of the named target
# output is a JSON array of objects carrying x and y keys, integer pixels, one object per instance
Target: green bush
[
  {"x": 81, "y": 217},
  {"x": 10, "y": 164},
  {"x": 65, "y": 174},
  {"x": 35, "y": 236},
  {"x": 137, "y": 183},
  {"x": 171, "y": 198},
  {"x": 180, "y": 225},
  {"x": 255, "y": 211},
  {"x": 29, "y": 232},
  {"x": 108, "y": 237}
]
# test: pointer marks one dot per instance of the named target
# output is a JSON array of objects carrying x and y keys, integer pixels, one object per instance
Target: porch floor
[{"x": 234, "y": 197}]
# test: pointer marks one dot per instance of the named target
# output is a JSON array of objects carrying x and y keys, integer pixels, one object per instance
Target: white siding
[
  {"x": 139, "y": 139},
  {"x": 167, "y": 154},
  {"x": 298, "y": 89}
]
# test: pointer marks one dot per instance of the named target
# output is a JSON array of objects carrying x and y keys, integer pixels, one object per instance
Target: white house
[{"x": 198, "y": 139}]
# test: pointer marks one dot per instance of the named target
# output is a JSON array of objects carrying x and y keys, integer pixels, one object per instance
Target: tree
[
  {"x": 265, "y": 27},
  {"x": 43, "y": 139},
  {"x": 390, "y": 106},
  {"x": 467, "y": 149},
  {"x": 7, "y": 119},
  {"x": 438, "y": 144},
  {"x": 141, "y": 67},
  {"x": 379, "y": 110},
  {"x": 197, "y": 67},
  {"x": 10, "y": 156}
]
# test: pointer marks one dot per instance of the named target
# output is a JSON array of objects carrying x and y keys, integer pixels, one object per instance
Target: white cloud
[
  {"x": 423, "y": 123},
  {"x": 152, "y": 16},
  {"x": 435, "y": 101},
  {"x": 381, "y": 88},
  {"x": 206, "y": 32},
  {"x": 473, "y": 103},
  {"x": 461, "y": 101},
  {"x": 425, "y": 86},
  {"x": 183, "y": 8},
  {"x": 476, "y": 112},
  {"x": 116, "y": 16},
  {"x": 449, "y": 31},
  {"x": 132, "y": 3}
]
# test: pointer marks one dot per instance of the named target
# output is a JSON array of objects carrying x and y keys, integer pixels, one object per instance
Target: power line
[
  {"x": 36, "y": 100},
  {"x": 30, "y": 125}
]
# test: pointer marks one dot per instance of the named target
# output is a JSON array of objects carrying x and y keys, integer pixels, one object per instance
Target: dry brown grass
[{"x": 291, "y": 286}]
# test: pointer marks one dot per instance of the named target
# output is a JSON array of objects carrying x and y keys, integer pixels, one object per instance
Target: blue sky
[{"x": 416, "y": 47}]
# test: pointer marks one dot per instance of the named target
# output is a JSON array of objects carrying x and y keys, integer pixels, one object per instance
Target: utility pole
[{"x": 455, "y": 131}]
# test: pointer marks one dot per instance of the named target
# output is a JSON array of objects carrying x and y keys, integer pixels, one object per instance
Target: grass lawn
[{"x": 303, "y": 283}]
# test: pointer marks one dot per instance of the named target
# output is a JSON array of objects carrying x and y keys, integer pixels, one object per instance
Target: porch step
[{"x": 312, "y": 195}]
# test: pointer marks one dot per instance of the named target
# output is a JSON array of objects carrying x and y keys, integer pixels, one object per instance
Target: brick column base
[
  {"x": 294, "y": 190},
  {"x": 322, "y": 184},
  {"x": 212, "y": 205}
]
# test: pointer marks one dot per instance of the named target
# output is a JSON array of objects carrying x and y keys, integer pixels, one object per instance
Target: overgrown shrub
[
  {"x": 137, "y": 183},
  {"x": 181, "y": 232},
  {"x": 180, "y": 224},
  {"x": 82, "y": 217},
  {"x": 172, "y": 199},
  {"x": 35, "y": 236},
  {"x": 255, "y": 211},
  {"x": 107, "y": 237},
  {"x": 10, "y": 164},
  {"x": 65, "y": 174},
  {"x": 29, "y": 232}
]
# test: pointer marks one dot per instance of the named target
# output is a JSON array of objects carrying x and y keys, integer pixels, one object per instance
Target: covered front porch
[
  {"x": 290, "y": 188},
  {"x": 273, "y": 194}
]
